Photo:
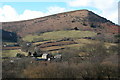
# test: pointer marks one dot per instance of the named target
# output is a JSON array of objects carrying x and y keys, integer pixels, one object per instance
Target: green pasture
[{"x": 55, "y": 35}]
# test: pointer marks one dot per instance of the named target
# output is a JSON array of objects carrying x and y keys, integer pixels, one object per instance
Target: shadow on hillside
[{"x": 8, "y": 36}]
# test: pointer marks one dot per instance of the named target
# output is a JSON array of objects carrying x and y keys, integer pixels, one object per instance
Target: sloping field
[
  {"x": 67, "y": 44},
  {"x": 56, "y": 35},
  {"x": 12, "y": 53},
  {"x": 42, "y": 42},
  {"x": 81, "y": 43},
  {"x": 57, "y": 48},
  {"x": 57, "y": 44},
  {"x": 54, "y": 48},
  {"x": 86, "y": 41}
]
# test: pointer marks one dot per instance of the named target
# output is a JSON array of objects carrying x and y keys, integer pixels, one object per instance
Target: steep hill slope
[{"x": 82, "y": 19}]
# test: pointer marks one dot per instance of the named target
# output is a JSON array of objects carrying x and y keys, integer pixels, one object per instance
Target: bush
[
  {"x": 68, "y": 54},
  {"x": 83, "y": 70},
  {"x": 96, "y": 52},
  {"x": 20, "y": 55},
  {"x": 93, "y": 26}
]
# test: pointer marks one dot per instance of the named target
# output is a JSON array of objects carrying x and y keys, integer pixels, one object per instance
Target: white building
[{"x": 44, "y": 56}]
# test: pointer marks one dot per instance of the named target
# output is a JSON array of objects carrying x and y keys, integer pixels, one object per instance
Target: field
[
  {"x": 49, "y": 40},
  {"x": 76, "y": 44},
  {"x": 12, "y": 53},
  {"x": 57, "y": 44},
  {"x": 42, "y": 42},
  {"x": 56, "y": 35}
]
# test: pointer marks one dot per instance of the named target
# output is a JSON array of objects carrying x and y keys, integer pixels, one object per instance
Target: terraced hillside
[
  {"x": 56, "y": 41},
  {"x": 54, "y": 46}
]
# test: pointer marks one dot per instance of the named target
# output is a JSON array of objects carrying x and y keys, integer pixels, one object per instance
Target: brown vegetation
[
  {"x": 100, "y": 63},
  {"x": 82, "y": 19}
]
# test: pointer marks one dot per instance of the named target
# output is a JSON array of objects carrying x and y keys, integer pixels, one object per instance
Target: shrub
[
  {"x": 68, "y": 53},
  {"x": 97, "y": 52},
  {"x": 20, "y": 55},
  {"x": 93, "y": 26}
]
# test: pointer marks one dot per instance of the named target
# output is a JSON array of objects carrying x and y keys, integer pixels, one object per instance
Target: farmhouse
[{"x": 45, "y": 56}]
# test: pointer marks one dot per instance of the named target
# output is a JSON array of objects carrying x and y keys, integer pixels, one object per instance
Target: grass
[
  {"x": 10, "y": 43},
  {"x": 42, "y": 42},
  {"x": 72, "y": 46},
  {"x": 51, "y": 48},
  {"x": 55, "y": 52},
  {"x": 86, "y": 41},
  {"x": 12, "y": 53},
  {"x": 56, "y": 35},
  {"x": 36, "y": 43},
  {"x": 30, "y": 38}
]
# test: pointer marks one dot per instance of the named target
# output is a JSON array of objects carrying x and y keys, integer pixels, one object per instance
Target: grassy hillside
[{"x": 55, "y": 35}]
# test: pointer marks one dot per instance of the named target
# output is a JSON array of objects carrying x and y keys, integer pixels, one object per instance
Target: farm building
[{"x": 45, "y": 56}]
